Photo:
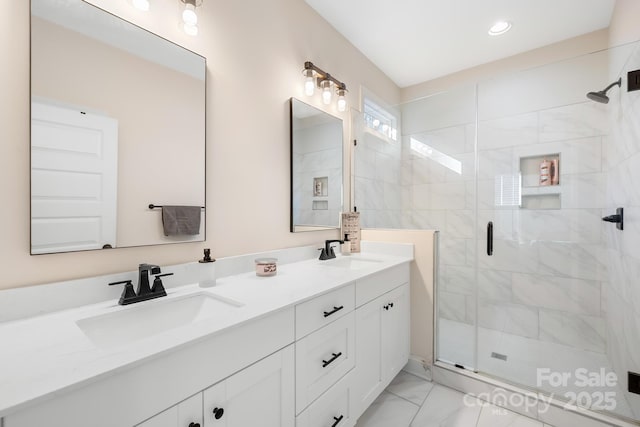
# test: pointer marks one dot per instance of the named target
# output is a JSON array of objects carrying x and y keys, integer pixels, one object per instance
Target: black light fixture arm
[{"x": 323, "y": 75}]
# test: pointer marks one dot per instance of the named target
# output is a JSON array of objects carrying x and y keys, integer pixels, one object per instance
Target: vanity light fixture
[
  {"x": 142, "y": 5},
  {"x": 190, "y": 17},
  {"x": 314, "y": 76},
  {"x": 499, "y": 27}
]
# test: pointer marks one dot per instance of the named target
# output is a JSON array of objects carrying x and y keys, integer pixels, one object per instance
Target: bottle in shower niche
[
  {"x": 545, "y": 172},
  {"x": 555, "y": 172}
]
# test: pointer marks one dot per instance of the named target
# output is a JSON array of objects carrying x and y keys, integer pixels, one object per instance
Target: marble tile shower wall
[
  {"x": 380, "y": 196},
  {"x": 544, "y": 280},
  {"x": 622, "y": 291},
  {"x": 315, "y": 156}
]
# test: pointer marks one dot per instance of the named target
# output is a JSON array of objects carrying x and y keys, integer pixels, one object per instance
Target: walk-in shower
[{"x": 528, "y": 153}]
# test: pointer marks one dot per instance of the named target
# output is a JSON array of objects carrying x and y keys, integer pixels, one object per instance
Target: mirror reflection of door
[{"x": 74, "y": 169}]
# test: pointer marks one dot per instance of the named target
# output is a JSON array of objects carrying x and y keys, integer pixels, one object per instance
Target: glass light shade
[
  {"x": 342, "y": 101},
  {"x": 189, "y": 15},
  {"x": 141, "y": 5},
  {"x": 309, "y": 82},
  {"x": 191, "y": 30},
  {"x": 326, "y": 92}
]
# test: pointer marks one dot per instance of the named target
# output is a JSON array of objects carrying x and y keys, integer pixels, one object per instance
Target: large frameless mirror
[
  {"x": 316, "y": 168},
  {"x": 117, "y": 125}
]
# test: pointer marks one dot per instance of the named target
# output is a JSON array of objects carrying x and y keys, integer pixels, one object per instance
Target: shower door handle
[{"x": 490, "y": 238}]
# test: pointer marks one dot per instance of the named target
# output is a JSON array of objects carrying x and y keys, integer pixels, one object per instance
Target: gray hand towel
[{"x": 181, "y": 220}]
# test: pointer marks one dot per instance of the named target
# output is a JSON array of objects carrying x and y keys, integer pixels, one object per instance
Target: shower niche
[{"x": 540, "y": 181}]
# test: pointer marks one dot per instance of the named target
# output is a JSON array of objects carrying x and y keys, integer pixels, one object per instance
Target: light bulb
[
  {"x": 189, "y": 15},
  {"x": 342, "y": 101},
  {"x": 142, "y": 5},
  {"x": 191, "y": 30},
  {"x": 309, "y": 83},
  {"x": 326, "y": 92}
]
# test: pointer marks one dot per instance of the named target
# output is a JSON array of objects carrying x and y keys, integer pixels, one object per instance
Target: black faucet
[
  {"x": 145, "y": 292},
  {"x": 327, "y": 251}
]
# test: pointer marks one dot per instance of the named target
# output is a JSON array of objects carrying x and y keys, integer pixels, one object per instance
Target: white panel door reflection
[{"x": 74, "y": 169}]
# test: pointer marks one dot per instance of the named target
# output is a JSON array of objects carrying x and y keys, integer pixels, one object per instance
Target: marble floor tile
[
  {"x": 410, "y": 387},
  {"x": 445, "y": 407},
  {"x": 388, "y": 410},
  {"x": 493, "y": 416}
]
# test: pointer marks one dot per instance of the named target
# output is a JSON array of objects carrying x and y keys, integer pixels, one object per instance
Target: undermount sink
[
  {"x": 154, "y": 317},
  {"x": 349, "y": 263}
]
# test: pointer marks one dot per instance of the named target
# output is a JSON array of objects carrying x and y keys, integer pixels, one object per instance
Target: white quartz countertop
[{"x": 44, "y": 356}]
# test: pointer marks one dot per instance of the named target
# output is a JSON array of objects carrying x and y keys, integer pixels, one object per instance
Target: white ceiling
[{"x": 413, "y": 41}]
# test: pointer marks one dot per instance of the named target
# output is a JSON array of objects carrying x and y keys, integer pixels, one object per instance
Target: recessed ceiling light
[{"x": 499, "y": 27}]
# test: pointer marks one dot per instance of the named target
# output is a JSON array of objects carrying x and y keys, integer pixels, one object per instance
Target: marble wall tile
[
  {"x": 496, "y": 162},
  {"x": 440, "y": 196},
  {"x": 568, "y": 259},
  {"x": 430, "y": 219},
  {"x": 570, "y": 295},
  {"x": 583, "y": 191},
  {"x": 369, "y": 194},
  {"x": 364, "y": 160},
  {"x": 508, "y": 131},
  {"x": 322, "y": 160},
  {"x": 509, "y": 255},
  {"x": 513, "y": 319},
  {"x": 585, "y": 332},
  {"x": 460, "y": 223},
  {"x": 494, "y": 285},
  {"x": 452, "y": 306},
  {"x": 387, "y": 168},
  {"x": 468, "y": 164},
  {"x": 449, "y": 140},
  {"x": 426, "y": 171},
  {"x": 569, "y": 225},
  {"x": 581, "y": 156},
  {"x": 573, "y": 121},
  {"x": 392, "y": 196},
  {"x": 456, "y": 279}
]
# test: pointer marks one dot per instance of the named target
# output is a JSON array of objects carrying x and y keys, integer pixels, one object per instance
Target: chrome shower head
[{"x": 601, "y": 96}]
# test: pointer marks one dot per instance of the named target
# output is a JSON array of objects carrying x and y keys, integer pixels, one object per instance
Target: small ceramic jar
[{"x": 266, "y": 267}]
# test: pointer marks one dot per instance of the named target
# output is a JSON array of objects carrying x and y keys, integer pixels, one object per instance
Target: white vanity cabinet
[
  {"x": 185, "y": 414},
  {"x": 260, "y": 395},
  {"x": 382, "y": 336}
]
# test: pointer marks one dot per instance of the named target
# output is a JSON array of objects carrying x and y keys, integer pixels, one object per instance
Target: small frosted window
[{"x": 380, "y": 120}]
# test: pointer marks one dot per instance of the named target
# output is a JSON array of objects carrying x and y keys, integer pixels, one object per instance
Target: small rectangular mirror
[
  {"x": 316, "y": 168},
  {"x": 117, "y": 124}
]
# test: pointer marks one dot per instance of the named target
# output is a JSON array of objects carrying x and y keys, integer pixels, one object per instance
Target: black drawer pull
[
  {"x": 337, "y": 421},
  {"x": 218, "y": 413},
  {"x": 391, "y": 304},
  {"x": 335, "y": 310},
  {"x": 194, "y": 424},
  {"x": 326, "y": 363}
]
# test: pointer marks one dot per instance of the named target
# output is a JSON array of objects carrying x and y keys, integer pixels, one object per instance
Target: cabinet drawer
[
  {"x": 371, "y": 287},
  {"x": 322, "y": 358},
  {"x": 333, "y": 408},
  {"x": 321, "y": 311}
]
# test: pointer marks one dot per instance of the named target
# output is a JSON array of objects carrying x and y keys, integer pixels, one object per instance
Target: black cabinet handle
[
  {"x": 391, "y": 304},
  {"x": 386, "y": 307},
  {"x": 218, "y": 413},
  {"x": 337, "y": 421},
  {"x": 194, "y": 424},
  {"x": 490, "y": 238},
  {"x": 326, "y": 363},
  {"x": 335, "y": 310}
]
